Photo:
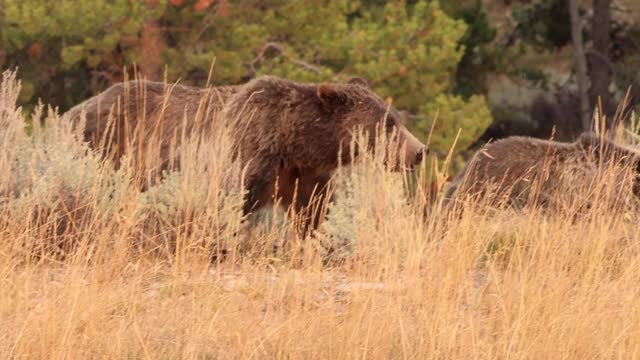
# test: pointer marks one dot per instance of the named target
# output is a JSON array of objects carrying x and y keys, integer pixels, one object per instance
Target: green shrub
[
  {"x": 54, "y": 184},
  {"x": 367, "y": 194}
]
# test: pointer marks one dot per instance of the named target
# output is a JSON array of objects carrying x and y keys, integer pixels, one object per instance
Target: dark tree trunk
[
  {"x": 581, "y": 65},
  {"x": 600, "y": 71}
]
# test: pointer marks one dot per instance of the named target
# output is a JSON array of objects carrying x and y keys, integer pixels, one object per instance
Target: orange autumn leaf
[
  {"x": 223, "y": 8},
  {"x": 201, "y": 5},
  {"x": 35, "y": 50},
  {"x": 176, "y": 2}
]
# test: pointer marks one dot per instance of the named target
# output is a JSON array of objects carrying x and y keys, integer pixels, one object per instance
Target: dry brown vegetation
[{"x": 92, "y": 268}]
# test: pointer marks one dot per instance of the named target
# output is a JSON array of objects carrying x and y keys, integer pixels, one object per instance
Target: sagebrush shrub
[
  {"x": 199, "y": 205},
  {"x": 367, "y": 195},
  {"x": 60, "y": 191},
  {"x": 54, "y": 185}
]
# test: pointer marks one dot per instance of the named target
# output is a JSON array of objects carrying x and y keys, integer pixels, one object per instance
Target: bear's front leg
[
  {"x": 310, "y": 197},
  {"x": 259, "y": 183}
]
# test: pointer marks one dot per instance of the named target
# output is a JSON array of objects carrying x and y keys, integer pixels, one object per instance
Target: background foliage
[
  {"x": 409, "y": 51},
  {"x": 429, "y": 56}
]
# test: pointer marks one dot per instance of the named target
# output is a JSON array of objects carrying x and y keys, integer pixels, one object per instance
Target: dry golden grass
[{"x": 482, "y": 283}]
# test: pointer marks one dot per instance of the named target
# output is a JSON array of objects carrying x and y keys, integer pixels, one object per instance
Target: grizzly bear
[
  {"x": 287, "y": 135},
  {"x": 527, "y": 171}
]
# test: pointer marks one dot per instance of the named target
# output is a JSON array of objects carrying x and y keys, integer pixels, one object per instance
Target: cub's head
[{"x": 604, "y": 149}]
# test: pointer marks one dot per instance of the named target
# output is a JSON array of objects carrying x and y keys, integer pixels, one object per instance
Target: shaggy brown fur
[
  {"x": 291, "y": 133},
  {"x": 287, "y": 134},
  {"x": 526, "y": 169},
  {"x": 141, "y": 108}
]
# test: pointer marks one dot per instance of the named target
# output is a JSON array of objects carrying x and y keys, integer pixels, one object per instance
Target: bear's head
[
  {"x": 358, "y": 107},
  {"x": 604, "y": 149}
]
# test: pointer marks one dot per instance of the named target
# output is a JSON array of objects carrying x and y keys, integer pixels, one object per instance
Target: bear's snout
[{"x": 415, "y": 151}]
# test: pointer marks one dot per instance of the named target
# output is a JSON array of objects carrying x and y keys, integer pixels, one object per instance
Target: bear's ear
[
  {"x": 356, "y": 80},
  {"x": 589, "y": 141},
  {"x": 330, "y": 94},
  {"x": 588, "y": 137}
]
